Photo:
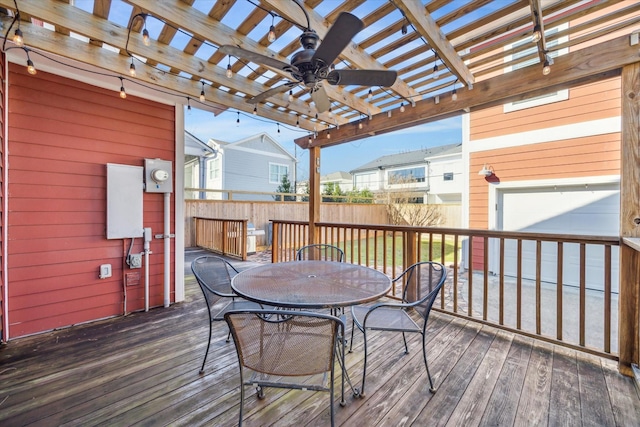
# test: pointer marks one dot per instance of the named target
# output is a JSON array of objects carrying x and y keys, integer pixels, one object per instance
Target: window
[
  {"x": 547, "y": 98},
  {"x": 214, "y": 169},
  {"x": 448, "y": 176},
  {"x": 276, "y": 172},
  {"x": 402, "y": 176}
]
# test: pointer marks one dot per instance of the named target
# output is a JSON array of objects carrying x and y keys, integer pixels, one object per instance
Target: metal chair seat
[{"x": 384, "y": 319}]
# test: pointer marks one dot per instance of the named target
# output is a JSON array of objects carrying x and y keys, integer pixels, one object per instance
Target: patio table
[{"x": 311, "y": 284}]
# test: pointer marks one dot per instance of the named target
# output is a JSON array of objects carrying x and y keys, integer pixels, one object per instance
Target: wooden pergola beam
[
  {"x": 588, "y": 64},
  {"x": 427, "y": 27}
]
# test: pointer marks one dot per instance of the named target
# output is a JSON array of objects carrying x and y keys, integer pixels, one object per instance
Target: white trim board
[{"x": 557, "y": 133}]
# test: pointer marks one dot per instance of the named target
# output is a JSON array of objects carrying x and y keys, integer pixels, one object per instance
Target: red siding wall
[{"x": 62, "y": 133}]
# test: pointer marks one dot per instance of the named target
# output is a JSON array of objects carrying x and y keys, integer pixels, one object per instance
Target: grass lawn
[{"x": 371, "y": 243}]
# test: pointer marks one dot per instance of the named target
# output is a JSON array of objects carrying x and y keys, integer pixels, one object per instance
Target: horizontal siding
[
  {"x": 61, "y": 136},
  {"x": 587, "y": 102},
  {"x": 592, "y": 156}
]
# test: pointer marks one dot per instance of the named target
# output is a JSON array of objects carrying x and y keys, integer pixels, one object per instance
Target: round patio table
[{"x": 311, "y": 284}]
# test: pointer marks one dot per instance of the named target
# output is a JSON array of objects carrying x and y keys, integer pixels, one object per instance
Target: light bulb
[
  {"x": 536, "y": 35},
  {"x": 132, "y": 70},
  {"x": 17, "y": 37},
  {"x": 297, "y": 122},
  {"x": 402, "y": 107},
  {"x": 272, "y": 34},
  {"x": 123, "y": 94},
  {"x": 330, "y": 112},
  {"x": 145, "y": 37},
  {"x": 360, "y": 125},
  {"x": 454, "y": 95},
  {"x": 404, "y": 28},
  {"x": 202, "y": 98},
  {"x": 546, "y": 69},
  {"x": 370, "y": 94},
  {"x": 30, "y": 68},
  {"x": 328, "y": 135},
  {"x": 229, "y": 72},
  {"x": 255, "y": 111},
  {"x": 435, "y": 72},
  {"x": 291, "y": 96}
]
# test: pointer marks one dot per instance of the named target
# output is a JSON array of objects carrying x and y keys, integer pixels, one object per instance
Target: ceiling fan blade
[
  {"x": 337, "y": 38},
  {"x": 255, "y": 57},
  {"x": 320, "y": 98},
  {"x": 383, "y": 78},
  {"x": 269, "y": 93}
]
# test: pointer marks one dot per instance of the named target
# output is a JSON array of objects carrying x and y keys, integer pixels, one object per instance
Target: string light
[
  {"x": 145, "y": 37},
  {"x": 123, "y": 94},
  {"x": 298, "y": 121},
  {"x": 546, "y": 67},
  {"x": 229, "y": 72},
  {"x": 31, "y": 69},
  {"x": 370, "y": 94},
  {"x": 238, "y": 119},
  {"x": 402, "y": 107},
  {"x": 255, "y": 110},
  {"x": 290, "y": 95},
  {"x": 17, "y": 36},
  {"x": 404, "y": 26},
  {"x": 132, "y": 68},
  {"x": 435, "y": 72},
  {"x": 360, "y": 125},
  {"x": 188, "y": 104},
  {"x": 389, "y": 114},
  {"x": 437, "y": 99},
  {"x": 278, "y": 128},
  {"x": 328, "y": 133},
  {"x": 272, "y": 31},
  {"x": 330, "y": 112},
  {"x": 202, "y": 97},
  {"x": 454, "y": 95},
  {"x": 536, "y": 35}
]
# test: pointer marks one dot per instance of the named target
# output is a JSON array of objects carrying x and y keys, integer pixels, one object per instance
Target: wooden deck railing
[
  {"x": 223, "y": 236},
  {"x": 538, "y": 285}
]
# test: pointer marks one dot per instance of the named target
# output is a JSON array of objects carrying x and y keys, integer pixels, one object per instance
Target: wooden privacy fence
[{"x": 559, "y": 288}]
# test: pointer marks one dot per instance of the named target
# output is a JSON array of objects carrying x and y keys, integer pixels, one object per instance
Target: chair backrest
[
  {"x": 320, "y": 252},
  {"x": 214, "y": 277},
  {"x": 284, "y": 343},
  {"x": 422, "y": 282}
]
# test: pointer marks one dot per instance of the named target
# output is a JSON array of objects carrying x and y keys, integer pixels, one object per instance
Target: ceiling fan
[{"x": 310, "y": 66}]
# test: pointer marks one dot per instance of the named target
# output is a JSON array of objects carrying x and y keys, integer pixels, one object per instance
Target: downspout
[
  {"x": 5, "y": 202},
  {"x": 167, "y": 249}
]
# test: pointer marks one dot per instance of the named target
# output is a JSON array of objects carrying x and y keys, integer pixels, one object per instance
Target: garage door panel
[{"x": 581, "y": 210}]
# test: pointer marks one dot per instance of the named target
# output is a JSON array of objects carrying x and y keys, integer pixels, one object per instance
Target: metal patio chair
[
  {"x": 421, "y": 283},
  {"x": 286, "y": 349},
  {"x": 214, "y": 277},
  {"x": 320, "y": 252}
]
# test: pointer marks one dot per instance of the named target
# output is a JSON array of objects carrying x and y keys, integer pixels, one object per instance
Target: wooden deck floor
[{"x": 143, "y": 369}]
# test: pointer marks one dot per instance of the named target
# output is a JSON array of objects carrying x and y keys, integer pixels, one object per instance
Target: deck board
[{"x": 143, "y": 369}]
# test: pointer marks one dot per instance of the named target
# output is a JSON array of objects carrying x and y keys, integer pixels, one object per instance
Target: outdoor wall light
[{"x": 486, "y": 171}]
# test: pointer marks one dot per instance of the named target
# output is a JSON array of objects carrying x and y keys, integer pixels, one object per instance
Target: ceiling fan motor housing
[{"x": 309, "y": 72}]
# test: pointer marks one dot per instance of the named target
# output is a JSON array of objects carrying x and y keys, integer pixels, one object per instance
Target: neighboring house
[
  {"x": 340, "y": 178},
  {"x": 254, "y": 164},
  {"x": 554, "y": 167},
  {"x": 434, "y": 175},
  {"x": 202, "y": 165}
]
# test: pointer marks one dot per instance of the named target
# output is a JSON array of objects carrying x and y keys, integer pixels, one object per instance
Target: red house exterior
[{"x": 58, "y": 136}]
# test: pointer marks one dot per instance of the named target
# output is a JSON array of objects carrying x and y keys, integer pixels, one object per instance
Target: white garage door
[{"x": 577, "y": 209}]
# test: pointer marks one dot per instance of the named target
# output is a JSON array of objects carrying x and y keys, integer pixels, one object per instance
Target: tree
[
  {"x": 332, "y": 189},
  {"x": 285, "y": 187},
  {"x": 360, "y": 196},
  {"x": 406, "y": 207}
]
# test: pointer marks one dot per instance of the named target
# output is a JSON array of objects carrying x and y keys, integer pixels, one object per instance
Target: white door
[{"x": 576, "y": 209}]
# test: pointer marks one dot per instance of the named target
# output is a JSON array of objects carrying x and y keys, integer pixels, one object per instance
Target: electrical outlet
[
  {"x": 105, "y": 271},
  {"x": 135, "y": 261}
]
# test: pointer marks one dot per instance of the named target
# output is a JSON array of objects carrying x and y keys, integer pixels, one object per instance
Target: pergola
[{"x": 437, "y": 47}]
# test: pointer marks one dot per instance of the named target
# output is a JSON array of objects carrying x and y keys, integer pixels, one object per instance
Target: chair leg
[
  {"x": 229, "y": 337},
  {"x": 364, "y": 369},
  {"x": 432, "y": 389},
  {"x": 406, "y": 348},
  {"x": 207, "y": 351},
  {"x": 353, "y": 326}
]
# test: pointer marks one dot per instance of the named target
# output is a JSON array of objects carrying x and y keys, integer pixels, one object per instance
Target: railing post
[
  {"x": 275, "y": 247},
  {"x": 314, "y": 194},
  {"x": 629, "y": 298},
  {"x": 410, "y": 258},
  {"x": 243, "y": 240}
]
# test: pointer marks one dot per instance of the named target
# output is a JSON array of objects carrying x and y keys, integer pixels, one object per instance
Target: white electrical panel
[
  {"x": 124, "y": 201},
  {"x": 157, "y": 176}
]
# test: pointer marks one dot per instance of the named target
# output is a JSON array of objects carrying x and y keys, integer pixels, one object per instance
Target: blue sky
[{"x": 345, "y": 157}]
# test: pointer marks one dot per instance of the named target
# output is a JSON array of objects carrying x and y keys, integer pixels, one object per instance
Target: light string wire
[{"x": 121, "y": 78}]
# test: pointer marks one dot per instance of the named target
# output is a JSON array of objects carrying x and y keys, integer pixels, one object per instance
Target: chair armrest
[{"x": 385, "y": 305}]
